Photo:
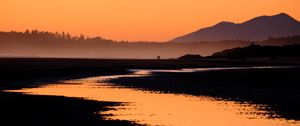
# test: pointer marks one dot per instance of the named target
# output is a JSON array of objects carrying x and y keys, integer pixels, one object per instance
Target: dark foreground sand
[
  {"x": 16, "y": 72},
  {"x": 254, "y": 86},
  {"x": 30, "y": 110}
]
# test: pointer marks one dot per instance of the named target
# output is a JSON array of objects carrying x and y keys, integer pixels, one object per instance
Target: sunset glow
[{"x": 151, "y": 20}]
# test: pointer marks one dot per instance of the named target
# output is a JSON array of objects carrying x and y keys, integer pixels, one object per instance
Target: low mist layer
[{"x": 46, "y": 44}]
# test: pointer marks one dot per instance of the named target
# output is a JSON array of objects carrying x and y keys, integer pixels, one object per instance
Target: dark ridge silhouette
[
  {"x": 190, "y": 57},
  {"x": 256, "y": 29},
  {"x": 257, "y": 51}
]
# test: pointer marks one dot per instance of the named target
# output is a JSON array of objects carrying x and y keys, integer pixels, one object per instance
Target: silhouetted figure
[{"x": 158, "y": 57}]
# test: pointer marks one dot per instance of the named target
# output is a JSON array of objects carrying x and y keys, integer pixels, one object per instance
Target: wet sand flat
[{"x": 258, "y": 87}]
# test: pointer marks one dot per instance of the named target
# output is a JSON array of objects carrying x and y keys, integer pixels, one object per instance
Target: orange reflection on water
[{"x": 155, "y": 108}]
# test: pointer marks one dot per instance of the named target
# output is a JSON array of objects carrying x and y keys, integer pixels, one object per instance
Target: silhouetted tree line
[
  {"x": 44, "y": 35},
  {"x": 35, "y": 42},
  {"x": 281, "y": 40},
  {"x": 257, "y": 51},
  {"x": 58, "y": 36}
]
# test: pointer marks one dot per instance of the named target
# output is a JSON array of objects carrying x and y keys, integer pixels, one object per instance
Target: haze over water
[{"x": 160, "y": 108}]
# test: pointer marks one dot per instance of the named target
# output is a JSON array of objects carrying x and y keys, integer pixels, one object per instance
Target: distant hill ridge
[
  {"x": 256, "y": 29},
  {"x": 46, "y": 44}
]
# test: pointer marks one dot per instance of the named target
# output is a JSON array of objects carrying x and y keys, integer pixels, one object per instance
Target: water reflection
[
  {"x": 156, "y": 108},
  {"x": 188, "y": 70}
]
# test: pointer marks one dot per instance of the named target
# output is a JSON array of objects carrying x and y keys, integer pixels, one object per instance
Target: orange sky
[{"x": 156, "y": 20}]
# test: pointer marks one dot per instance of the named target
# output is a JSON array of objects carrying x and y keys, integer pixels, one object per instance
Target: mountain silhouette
[{"x": 256, "y": 29}]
